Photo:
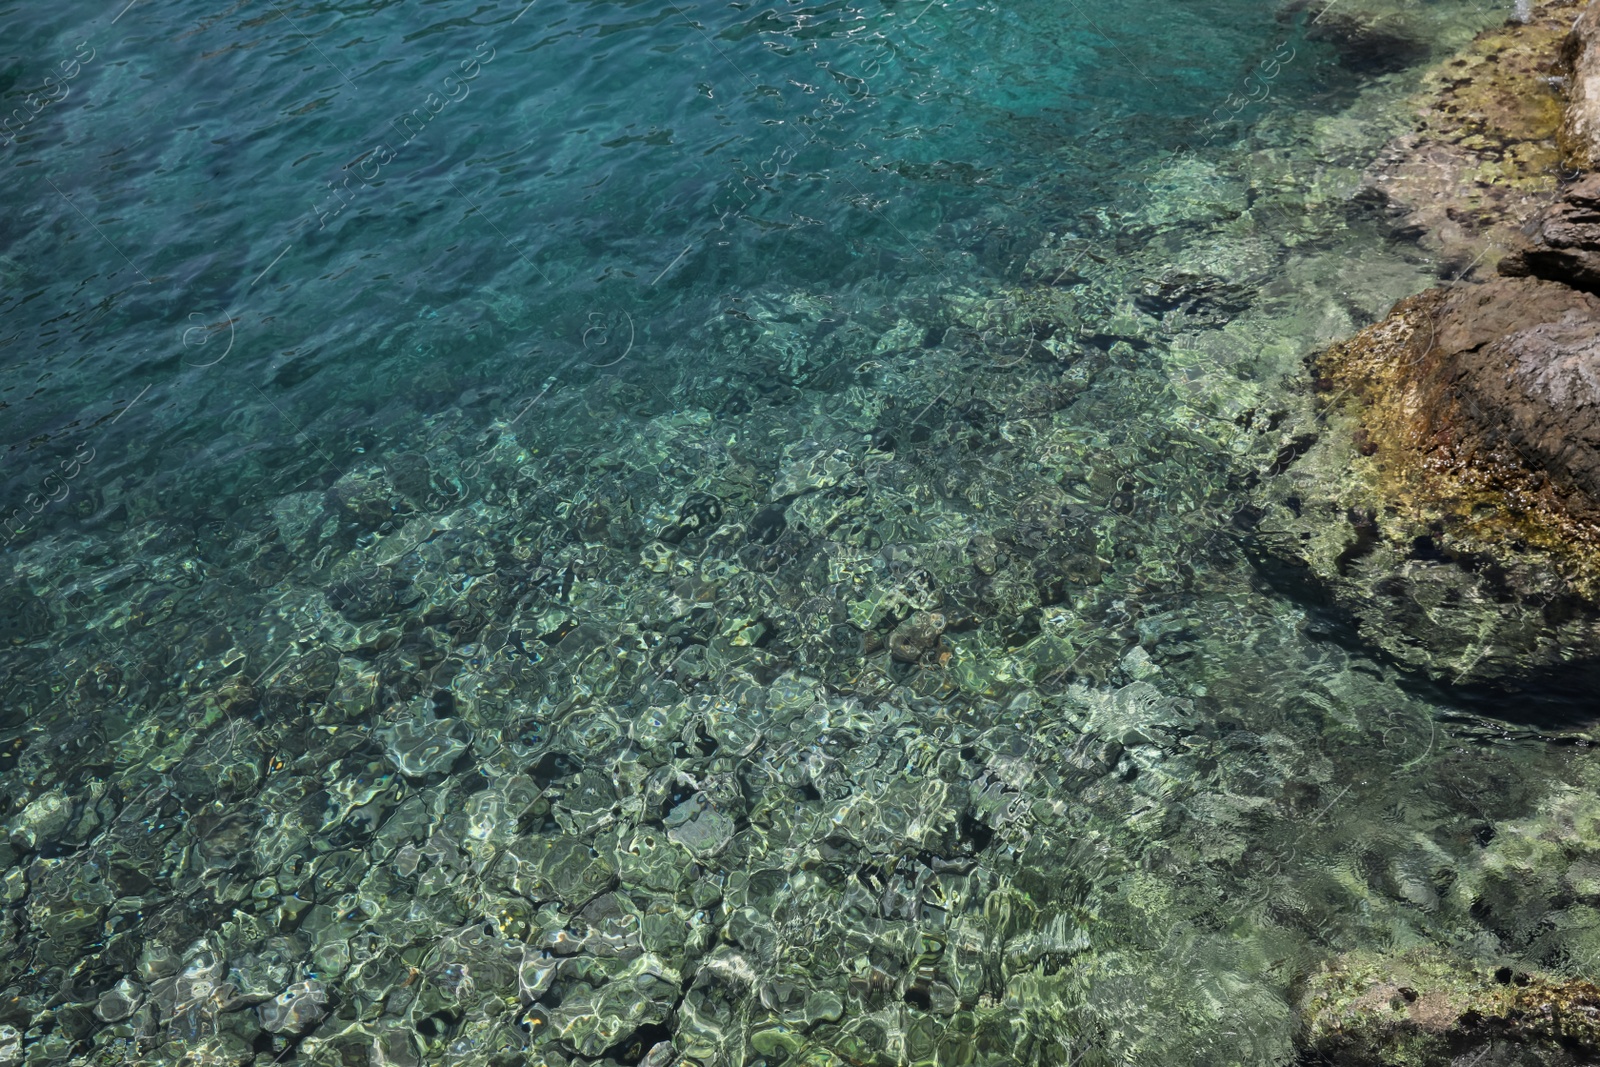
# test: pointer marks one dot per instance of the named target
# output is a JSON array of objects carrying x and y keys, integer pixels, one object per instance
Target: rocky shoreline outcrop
[{"x": 1448, "y": 496}]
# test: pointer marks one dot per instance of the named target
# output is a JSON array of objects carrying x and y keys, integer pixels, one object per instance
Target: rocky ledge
[{"x": 1446, "y": 494}]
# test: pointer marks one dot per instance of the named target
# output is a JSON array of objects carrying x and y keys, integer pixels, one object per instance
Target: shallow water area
[{"x": 587, "y": 532}]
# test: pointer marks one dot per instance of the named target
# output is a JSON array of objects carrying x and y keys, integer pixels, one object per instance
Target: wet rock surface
[
  {"x": 1491, "y": 385},
  {"x": 1453, "y": 479},
  {"x": 1580, "y": 63},
  {"x": 1427, "y": 1009},
  {"x": 1513, "y": 367}
]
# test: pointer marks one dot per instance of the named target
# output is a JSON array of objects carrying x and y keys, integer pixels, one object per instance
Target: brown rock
[
  {"x": 1488, "y": 395},
  {"x": 1565, "y": 247},
  {"x": 1449, "y": 501},
  {"x": 1516, "y": 362},
  {"x": 1449, "y": 506}
]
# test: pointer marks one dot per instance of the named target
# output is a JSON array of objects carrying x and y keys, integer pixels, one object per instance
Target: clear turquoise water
[
  {"x": 208, "y": 180},
  {"x": 474, "y": 473}
]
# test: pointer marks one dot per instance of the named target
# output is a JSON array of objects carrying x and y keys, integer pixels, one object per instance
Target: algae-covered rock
[
  {"x": 1448, "y": 496},
  {"x": 1425, "y": 1008},
  {"x": 1486, "y": 391},
  {"x": 1482, "y": 156},
  {"x": 1454, "y": 485}
]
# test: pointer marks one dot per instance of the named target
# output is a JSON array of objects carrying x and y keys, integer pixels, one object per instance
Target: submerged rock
[
  {"x": 1370, "y": 39},
  {"x": 1425, "y": 1008},
  {"x": 1454, "y": 506},
  {"x": 296, "y": 1010},
  {"x": 916, "y": 637},
  {"x": 1483, "y": 155},
  {"x": 42, "y": 820}
]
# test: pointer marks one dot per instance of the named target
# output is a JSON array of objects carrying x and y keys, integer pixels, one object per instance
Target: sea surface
[{"x": 592, "y": 532}]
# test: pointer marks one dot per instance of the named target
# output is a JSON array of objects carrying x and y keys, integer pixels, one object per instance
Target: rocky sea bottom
[{"x": 897, "y": 680}]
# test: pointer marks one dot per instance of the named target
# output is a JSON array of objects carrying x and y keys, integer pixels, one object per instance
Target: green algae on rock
[
  {"x": 1483, "y": 154},
  {"x": 1420, "y": 506},
  {"x": 1425, "y": 1008}
]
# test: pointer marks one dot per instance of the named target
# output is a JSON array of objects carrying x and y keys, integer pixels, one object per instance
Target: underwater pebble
[
  {"x": 699, "y": 827},
  {"x": 119, "y": 1002},
  {"x": 296, "y": 1010},
  {"x": 42, "y": 820}
]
